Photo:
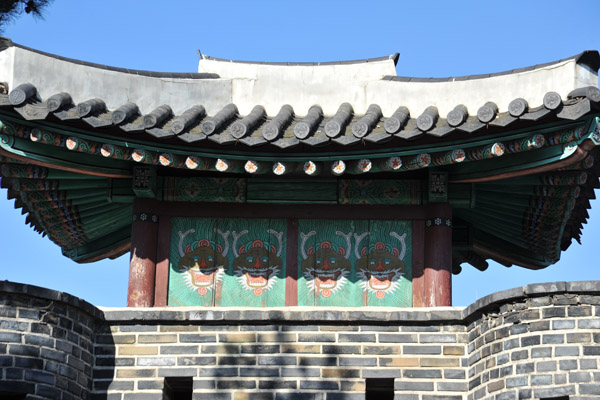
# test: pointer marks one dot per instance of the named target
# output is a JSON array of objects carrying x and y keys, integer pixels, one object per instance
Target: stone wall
[
  {"x": 539, "y": 341},
  {"x": 543, "y": 344},
  {"x": 277, "y": 354},
  {"x": 46, "y": 343}
]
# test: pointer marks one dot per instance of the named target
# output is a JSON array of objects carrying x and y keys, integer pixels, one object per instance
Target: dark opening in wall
[
  {"x": 12, "y": 396},
  {"x": 380, "y": 389},
  {"x": 178, "y": 388}
]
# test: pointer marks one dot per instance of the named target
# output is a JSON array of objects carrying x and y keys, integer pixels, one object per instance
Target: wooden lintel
[{"x": 228, "y": 210}]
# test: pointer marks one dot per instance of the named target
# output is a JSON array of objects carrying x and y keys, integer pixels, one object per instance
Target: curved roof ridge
[
  {"x": 591, "y": 58},
  {"x": 393, "y": 57},
  {"x": 5, "y": 43}
]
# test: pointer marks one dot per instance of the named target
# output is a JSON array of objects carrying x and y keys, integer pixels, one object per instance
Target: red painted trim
[
  {"x": 291, "y": 264},
  {"x": 418, "y": 260},
  {"x": 161, "y": 291}
]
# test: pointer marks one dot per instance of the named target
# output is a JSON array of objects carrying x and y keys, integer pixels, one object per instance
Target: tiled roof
[
  {"x": 286, "y": 130},
  {"x": 528, "y": 163},
  {"x": 200, "y": 108},
  {"x": 589, "y": 58},
  {"x": 393, "y": 57},
  {"x": 6, "y": 43}
]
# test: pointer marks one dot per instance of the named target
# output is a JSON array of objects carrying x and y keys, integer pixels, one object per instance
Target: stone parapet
[
  {"x": 46, "y": 343},
  {"x": 534, "y": 342}
]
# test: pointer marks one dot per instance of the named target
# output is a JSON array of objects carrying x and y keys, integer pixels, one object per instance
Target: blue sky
[{"x": 434, "y": 39}]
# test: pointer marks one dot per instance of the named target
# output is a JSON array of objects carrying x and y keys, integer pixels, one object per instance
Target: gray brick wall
[
  {"x": 318, "y": 359},
  {"x": 46, "y": 343},
  {"x": 541, "y": 347},
  {"x": 539, "y": 341}
]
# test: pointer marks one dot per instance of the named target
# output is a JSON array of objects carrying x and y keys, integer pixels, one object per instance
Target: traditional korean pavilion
[
  {"x": 299, "y": 184},
  {"x": 308, "y": 218}
]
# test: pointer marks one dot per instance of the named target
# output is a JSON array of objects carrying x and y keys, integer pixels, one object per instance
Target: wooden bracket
[
  {"x": 144, "y": 181},
  {"x": 437, "y": 186}
]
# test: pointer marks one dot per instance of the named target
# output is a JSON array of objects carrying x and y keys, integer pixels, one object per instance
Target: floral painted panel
[
  {"x": 227, "y": 262},
  {"x": 354, "y": 263}
]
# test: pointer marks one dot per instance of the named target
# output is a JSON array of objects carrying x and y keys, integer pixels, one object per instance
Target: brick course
[{"x": 524, "y": 343}]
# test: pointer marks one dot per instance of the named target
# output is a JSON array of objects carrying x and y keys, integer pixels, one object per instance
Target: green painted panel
[
  {"x": 354, "y": 263},
  {"x": 198, "y": 262},
  {"x": 256, "y": 276},
  {"x": 292, "y": 191},
  {"x": 380, "y": 191},
  {"x": 227, "y": 190},
  {"x": 241, "y": 262},
  {"x": 385, "y": 264},
  {"x": 326, "y": 273},
  {"x": 227, "y": 262}
]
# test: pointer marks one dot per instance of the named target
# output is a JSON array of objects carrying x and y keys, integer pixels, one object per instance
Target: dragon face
[
  {"x": 257, "y": 268},
  {"x": 326, "y": 270},
  {"x": 204, "y": 267},
  {"x": 380, "y": 270}
]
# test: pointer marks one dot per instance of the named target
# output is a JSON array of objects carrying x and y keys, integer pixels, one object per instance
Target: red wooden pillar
[
  {"x": 161, "y": 284},
  {"x": 418, "y": 266},
  {"x": 142, "y": 264},
  {"x": 438, "y": 255}
]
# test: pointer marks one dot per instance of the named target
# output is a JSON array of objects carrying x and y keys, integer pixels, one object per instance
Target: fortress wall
[
  {"x": 534, "y": 342},
  {"x": 543, "y": 345},
  {"x": 46, "y": 343}
]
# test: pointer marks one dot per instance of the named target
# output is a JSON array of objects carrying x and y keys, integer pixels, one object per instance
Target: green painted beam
[
  {"x": 78, "y": 161},
  {"x": 523, "y": 190},
  {"x": 42, "y": 185},
  {"x": 508, "y": 163},
  {"x": 554, "y": 178}
]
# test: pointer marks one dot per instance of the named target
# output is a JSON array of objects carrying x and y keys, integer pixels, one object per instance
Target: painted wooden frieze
[
  {"x": 381, "y": 191},
  {"x": 242, "y": 262},
  {"x": 354, "y": 263},
  {"x": 227, "y": 262},
  {"x": 227, "y": 190}
]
